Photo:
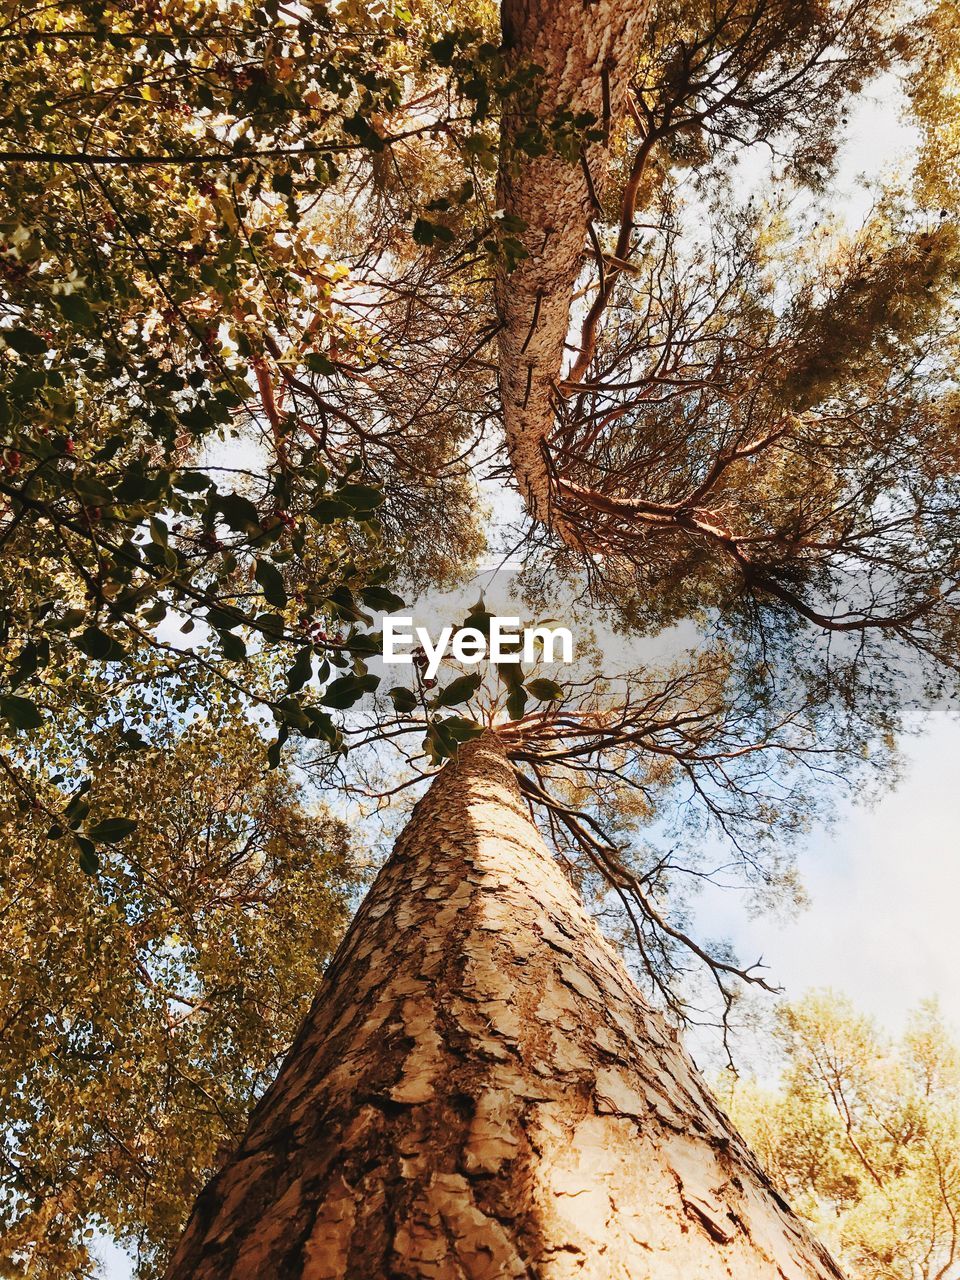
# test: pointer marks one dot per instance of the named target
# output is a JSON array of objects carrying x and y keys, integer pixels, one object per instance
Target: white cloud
[{"x": 884, "y": 886}]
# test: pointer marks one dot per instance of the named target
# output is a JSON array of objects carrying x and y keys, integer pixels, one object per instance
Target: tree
[
  {"x": 192, "y": 525},
  {"x": 144, "y": 1008},
  {"x": 480, "y": 1090},
  {"x": 733, "y": 410},
  {"x": 756, "y": 442},
  {"x": 863, "y": 1134},
  {"x": 420, "y": 1120}
]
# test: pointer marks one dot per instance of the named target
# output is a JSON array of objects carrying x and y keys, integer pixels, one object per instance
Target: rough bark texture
[
  {"x": 480, "y": 1092},
  {"x": 588, "y": 52}
]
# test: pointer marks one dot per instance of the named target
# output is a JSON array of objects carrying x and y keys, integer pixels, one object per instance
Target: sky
[
  {"x": 884, "y": 881},
  {"x": 883, "y": 885}
]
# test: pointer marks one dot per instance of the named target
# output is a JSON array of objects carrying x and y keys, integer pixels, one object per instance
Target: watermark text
[{"x": 507, "y": 642}]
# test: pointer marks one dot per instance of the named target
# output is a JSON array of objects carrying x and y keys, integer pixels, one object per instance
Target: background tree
[
  {"x": 193, "y": 524},
  {"x": 862, "y": 1132},
  {"x": 730, "y": 414},
  {"x": 144, "y": 1010},
  {"x": 931, "y": 88}
]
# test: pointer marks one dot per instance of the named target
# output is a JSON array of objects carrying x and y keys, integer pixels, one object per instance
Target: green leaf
[
  {"x": 191, "y": 481},
  {"x": 20, "y": 713},
  {"x": 403, "y": 699},
  {"x": 89, "y": 858},
  {"x": 545, "y": 690},
  {"x": 461, "y": 728},
  {"x": 109, "y": 450},
  {"x": 276, "y": 747},
  {"x": 156, "y": 613},
  {"x": 444, "y": 737},
  {"x": 366, "y": 643},
  {"x": 320, "y": 725},
  {"x": 458, "y": 690},
  {"x": 439, "y": 744},
  {"x": 427, "y": 233},
  {"x": 326, "y": 510},
  {"x": 137, "y": 486},
  {"x": 77, "y": 811},
  {"x": 347, "y": 690},
  {"x": 69, "y": 620},
  {"x": 381, "y": 599},
  {"x": 360, "y": 497},
  {"x": 301, "y": 671},
  {"x": 231, "y": 646},
  {"x": 32, "y": 656},
  {"x": 270, "y": 624},
  {"x": 159, "y": 531},
  {"x": 516, "y": 701},
  {"x": 361, "y": 128},
  {"x": 199, "y": 418},
  {"x": 91, "y": 492},
  {"x": 442, "y": 50},
  {"x": 77, "y": 801},
  {"x": 98, "y": 644},
  {"x": 112, "y": 830},
  {"x": 24, "y": 341},
  {"x": 343, "y": 602},
  {"x": 479, "y": 618},
  {"x": 317, "y": 362},
  {"x": 225, "y": 619},
  {"x": 76, "y": 310},
  {"x": 271, "y": 583},
  {"x": 238, "y": 512}
]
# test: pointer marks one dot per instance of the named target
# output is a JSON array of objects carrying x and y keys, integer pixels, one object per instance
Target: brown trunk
[
  {"x": 481, "y": 1092},
  {"x": 588, "y": 53}
]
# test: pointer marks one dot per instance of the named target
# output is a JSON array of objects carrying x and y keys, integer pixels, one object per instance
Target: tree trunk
[
  {"x": 481, "y": 1092},
  {"x": 588, "y": 53}
]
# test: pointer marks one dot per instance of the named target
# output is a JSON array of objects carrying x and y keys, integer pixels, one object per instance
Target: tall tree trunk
[
  {"x": 588, "y": 52},
  {"x": 480, "y": 1092}
]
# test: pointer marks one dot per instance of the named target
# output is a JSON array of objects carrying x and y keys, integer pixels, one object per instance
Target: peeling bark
[
  {"x": 587, "y": 52},
  {"x": 480, "y": 1092}
]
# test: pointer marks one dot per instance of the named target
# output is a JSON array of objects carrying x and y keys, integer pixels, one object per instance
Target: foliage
[
  {"x": 715, "y": 79},
  {"x": 247, "y": 388},
  {"x": 935, "y": 44},
  {"x": 144, "y": 1010},
  {"x": 167, "y": 332},
  {"x": 810, "y": 479},
  {"x": 863, "y": 1135}
]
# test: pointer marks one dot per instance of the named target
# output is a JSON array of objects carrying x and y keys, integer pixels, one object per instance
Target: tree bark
[
  {"x": 588, "y": 53},
  {"x": 480, "y": 1092}
]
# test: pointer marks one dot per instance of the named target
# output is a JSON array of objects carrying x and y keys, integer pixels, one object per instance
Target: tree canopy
[{"x": 288, "y": 294}]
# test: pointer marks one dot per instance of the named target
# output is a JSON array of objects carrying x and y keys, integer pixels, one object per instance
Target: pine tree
[{"x": 480, "y": 1091}]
